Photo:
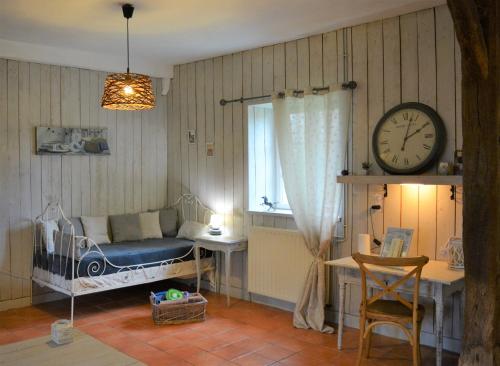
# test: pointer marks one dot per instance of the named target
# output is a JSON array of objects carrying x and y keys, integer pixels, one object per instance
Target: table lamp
[{"x": 215, "y": 225}]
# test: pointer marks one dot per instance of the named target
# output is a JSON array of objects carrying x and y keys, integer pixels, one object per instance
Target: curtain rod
[{"x": 347, "y": 85}]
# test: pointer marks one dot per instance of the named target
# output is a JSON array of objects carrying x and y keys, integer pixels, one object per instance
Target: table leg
[
  {"x": 462, "y": 308},
  {"x": 438, "y": 298},
  {"x": 227, "y": 257},
  {"x": 198, "y": 272},
  {"x": 217, "y": 272},
  {"x": 341, "y": 311}
]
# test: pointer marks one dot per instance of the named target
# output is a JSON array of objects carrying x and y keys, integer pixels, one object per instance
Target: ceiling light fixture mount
[{"x": 128, "y": 91}]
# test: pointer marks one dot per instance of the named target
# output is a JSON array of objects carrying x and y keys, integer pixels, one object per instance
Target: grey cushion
[
  {"x": 62, "y": 245},
  {"x": 168, "y": 222},
  {"x": 66, "y": 228},
  {"x": 125, "y": 227}
]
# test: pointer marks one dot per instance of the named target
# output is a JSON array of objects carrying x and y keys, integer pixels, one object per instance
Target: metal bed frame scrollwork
[{"x": 96, "y": 280}]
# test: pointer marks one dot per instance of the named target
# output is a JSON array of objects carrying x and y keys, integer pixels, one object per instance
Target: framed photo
[
  {"x": 72, "y": 141},
  {"x": 397, "y": 242},
  {"x": 210, "y": 149},
  {"x": 192, "y": 136}
]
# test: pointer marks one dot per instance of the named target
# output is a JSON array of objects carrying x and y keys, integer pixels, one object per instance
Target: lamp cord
[
  {"x": 375, "y": 240},
  {"x": 128, "y": 57}
]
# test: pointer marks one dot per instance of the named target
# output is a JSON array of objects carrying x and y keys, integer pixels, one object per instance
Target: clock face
[{"x": 408, "y": 139}]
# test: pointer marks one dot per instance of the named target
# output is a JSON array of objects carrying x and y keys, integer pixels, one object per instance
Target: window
[{"x": 264, "y": 169}]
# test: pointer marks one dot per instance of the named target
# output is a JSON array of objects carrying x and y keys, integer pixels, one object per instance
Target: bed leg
[{"x": 72, "y": 308}]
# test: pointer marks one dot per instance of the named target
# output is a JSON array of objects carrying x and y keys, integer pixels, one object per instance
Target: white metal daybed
[{"x": 78, "y": 266}]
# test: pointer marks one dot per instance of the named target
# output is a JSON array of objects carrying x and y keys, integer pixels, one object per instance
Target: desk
[
  {"x": 436, "y": 282},
  {"x": 218, "y": 243}
]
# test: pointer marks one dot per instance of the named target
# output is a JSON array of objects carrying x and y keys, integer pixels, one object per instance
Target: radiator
[{"x": 278, "y": 261}]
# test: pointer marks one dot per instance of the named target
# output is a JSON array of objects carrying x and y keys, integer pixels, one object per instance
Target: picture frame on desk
[{"x": 397, "y": 242}]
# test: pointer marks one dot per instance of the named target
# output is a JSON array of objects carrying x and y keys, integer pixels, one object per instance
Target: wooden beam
[
  {"x": 470, "y": 34},
  {"x": 477, "y": 28}
]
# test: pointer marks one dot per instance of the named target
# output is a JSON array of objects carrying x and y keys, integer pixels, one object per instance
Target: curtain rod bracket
[{"x": 350, "y": 85}]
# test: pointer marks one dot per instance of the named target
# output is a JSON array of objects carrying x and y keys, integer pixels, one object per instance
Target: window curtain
[{"x": 311, "y": 134}]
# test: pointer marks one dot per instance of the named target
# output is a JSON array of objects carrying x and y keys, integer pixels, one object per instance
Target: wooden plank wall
[
  {"x": 412, "y": 57},
  {"x": 132, "y": 179}
]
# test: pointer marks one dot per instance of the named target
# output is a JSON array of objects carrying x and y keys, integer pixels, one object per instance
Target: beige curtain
[{"x": 311, "y": 133}]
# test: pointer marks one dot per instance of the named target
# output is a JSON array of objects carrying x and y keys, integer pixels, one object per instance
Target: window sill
[{"x": 277, "y": 212}]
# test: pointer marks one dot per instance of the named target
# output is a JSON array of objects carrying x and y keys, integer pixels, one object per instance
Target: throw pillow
[
  {"x": 96, "y": 228},
  {"x": 63, "y": 245},
  {"x": 125, "y": 227},
  {"x": 168, "y": 221},
  {"x": 66, "y": 228},
  {"x": 150, "y": 225},
  {"x": 48, "y": 229},
  {"x": 191, "y": 229}
]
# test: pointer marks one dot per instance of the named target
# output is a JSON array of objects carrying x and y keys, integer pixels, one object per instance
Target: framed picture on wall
[
  {"x": 72, "y": 141},
  {"x": 397, "y": 242}
]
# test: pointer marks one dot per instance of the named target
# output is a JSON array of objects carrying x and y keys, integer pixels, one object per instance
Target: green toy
[{"x": 173, "y": 294}]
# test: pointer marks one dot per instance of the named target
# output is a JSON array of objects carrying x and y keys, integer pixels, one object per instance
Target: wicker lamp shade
[{"x": 128, "y": 92}]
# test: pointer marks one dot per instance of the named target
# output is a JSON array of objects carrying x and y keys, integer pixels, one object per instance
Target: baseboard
[
  {"x": 15, "y": 304},
  {"x": 48, "y": 297},
  {"x": 234, "y": 291},
  {"x": 275, "y": 303},
  {"x": 427, "y": 339}
]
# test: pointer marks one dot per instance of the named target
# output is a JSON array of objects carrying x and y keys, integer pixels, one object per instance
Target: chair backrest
[{"x": 391, "y": 289}]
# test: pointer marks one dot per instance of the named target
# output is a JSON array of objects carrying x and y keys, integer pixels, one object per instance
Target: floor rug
[{"x": 84, "y": 350}]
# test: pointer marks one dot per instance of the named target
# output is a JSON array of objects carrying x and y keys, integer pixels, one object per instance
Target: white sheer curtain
[{"x": 311, "y": 133}]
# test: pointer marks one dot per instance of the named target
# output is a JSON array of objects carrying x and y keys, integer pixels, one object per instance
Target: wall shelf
[{"x": 449, "y": 180}]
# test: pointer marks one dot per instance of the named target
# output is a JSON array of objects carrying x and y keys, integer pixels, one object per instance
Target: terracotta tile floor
[{"x": 244, "y": 334}]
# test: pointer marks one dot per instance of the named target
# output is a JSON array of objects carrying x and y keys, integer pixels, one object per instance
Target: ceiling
[{"x": 167, "y": 32}]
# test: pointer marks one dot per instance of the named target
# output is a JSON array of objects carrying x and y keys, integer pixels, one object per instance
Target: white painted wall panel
[
  {"x": 413, "y": 57},
  {"x": 34, "y": 95}
]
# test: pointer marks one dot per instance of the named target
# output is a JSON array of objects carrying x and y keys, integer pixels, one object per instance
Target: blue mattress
[{"x": 120, "y": 254}]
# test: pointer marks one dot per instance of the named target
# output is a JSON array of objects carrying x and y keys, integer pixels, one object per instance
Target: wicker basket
[{"x": 177, "y": 313}]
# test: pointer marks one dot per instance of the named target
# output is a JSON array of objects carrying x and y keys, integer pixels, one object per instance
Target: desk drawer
[
  {"x": 354, "y": 276},
  {"x": 426, "y": 288}
]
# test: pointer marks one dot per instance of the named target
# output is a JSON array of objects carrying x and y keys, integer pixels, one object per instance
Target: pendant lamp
[{"x": 128, "y": 91}]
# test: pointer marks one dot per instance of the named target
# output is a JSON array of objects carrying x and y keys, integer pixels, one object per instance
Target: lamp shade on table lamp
[{"x": 215, "y": 224}]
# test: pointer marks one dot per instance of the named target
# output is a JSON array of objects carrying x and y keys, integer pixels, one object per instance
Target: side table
[{"x": 219, "y": 243}]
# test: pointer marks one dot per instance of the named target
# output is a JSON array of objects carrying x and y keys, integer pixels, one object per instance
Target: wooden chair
[{"x": 398, "y": 312}]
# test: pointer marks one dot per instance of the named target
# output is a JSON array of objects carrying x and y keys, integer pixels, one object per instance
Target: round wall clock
[{"x": 408, "y": 139}]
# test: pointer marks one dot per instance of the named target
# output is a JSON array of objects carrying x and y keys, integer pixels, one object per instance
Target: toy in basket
[{"x": 176, "y": 307}]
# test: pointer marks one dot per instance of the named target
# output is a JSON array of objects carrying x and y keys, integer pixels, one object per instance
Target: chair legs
[
  {"x": 368, "y": 341},
  {"x": 362, "y": 324},
  {"x": 365, "y": 342},
  {"x": 416, "y": 345}
]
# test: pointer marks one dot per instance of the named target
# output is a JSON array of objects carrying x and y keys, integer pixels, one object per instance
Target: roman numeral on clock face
[
  {"x": 426, "y": 147},
  {"x": 394, "y": 158}
]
